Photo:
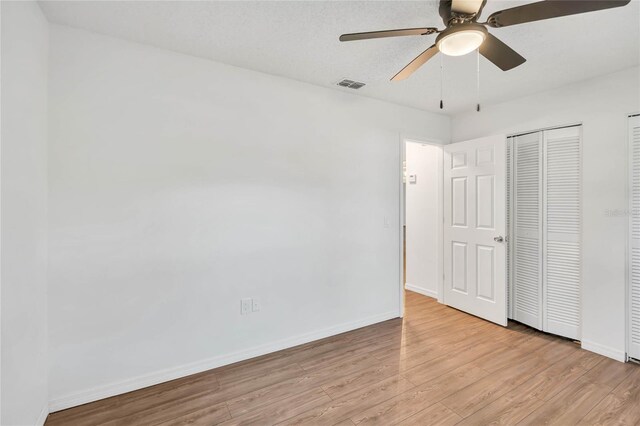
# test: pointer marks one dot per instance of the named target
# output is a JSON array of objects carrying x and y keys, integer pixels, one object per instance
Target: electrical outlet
[
  {"x": 256, "y": 305},
  {"x": 245, "y": 306}
]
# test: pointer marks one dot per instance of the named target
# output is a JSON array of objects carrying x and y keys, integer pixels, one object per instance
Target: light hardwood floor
[{"x": 438, "y": 366}]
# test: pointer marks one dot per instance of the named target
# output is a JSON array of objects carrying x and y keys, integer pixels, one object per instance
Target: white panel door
[
  {"x": 562, "y": 226},
  {"x": 634, "y": 237},
  {"x": 474, "y": 212},
  {"x": 526, "y": 227}
]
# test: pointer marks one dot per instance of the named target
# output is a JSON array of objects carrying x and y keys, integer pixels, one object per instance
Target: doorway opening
[
  {"x": 421, "y": 218},
  {"x": 469, "y": 249}
]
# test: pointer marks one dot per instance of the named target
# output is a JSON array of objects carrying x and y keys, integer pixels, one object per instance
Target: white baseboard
[
  {"x": 421, "y": 290},
  {"x": 139, "y": 382},
  {"x": 607, "y": 351},
  {"x": 43, "y": 416}
]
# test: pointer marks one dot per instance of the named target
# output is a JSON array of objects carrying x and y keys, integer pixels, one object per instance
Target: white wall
[
  {"x": 602, "y": 105},
  {"x": 423, "y": 216},
  {"x": 179, "y": 185},
  {"x": 24, "y": 217}
]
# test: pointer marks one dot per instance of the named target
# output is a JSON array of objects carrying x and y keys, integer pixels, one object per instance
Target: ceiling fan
[{"x": 463, "y": 34}]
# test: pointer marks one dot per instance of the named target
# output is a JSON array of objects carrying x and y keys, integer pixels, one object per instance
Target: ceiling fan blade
[
  {"x": 388, "y": 33},
  {"x": 419, "y": 61},
  {"x": 549, "y": 9},
  {"x": 467, "y": 7},
  {"x": 500, "y": 54}
]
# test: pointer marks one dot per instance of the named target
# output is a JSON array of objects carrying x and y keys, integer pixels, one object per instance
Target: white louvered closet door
[
  {"x": 508, "y": 221},
  {"x": 545, "y": 228},
  {"x": 526, "y": 227},
  {"x": 634, "y": 237},
  {"x": 562, "y": 230}
]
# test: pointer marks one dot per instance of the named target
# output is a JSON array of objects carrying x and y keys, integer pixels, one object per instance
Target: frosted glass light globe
[{"x": 461, "y": 42}]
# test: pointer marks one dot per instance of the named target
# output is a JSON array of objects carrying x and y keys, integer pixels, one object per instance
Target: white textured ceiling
[{"x": 299, "y": 40}]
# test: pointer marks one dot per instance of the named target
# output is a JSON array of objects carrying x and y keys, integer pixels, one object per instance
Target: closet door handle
[{"x": 498, "y": 239}]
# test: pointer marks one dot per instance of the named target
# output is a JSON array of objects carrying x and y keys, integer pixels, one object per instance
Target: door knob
[{"x": 498, "y": 239}]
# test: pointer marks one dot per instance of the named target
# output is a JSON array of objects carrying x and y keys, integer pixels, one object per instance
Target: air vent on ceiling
[{"x": 350, "y": 84}]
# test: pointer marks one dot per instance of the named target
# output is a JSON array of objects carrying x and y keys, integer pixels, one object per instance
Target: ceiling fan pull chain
[
  {"x": 478, "y": 79},
  {"x": 441, "y": 80}
]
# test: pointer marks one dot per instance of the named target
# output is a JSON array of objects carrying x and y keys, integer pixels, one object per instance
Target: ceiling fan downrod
[
  {"x": 478, "y": 79},
  {"x": 441, "y": 80}
]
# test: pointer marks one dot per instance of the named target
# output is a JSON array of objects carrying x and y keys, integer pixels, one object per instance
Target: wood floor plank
[
  {"x": 437, "y": 366},
  {"x": 346, "y": 422},
  {"x": 551, "y": 381},
  {"x": 130, "y": 403},
  {"x": 340, "y": 356},
  {"x": 613, "y": 410},
  {"x": 508, "y": 409},
  {"x": 610, "y": 372},
  {"x": 268, "y": 395},
  {"x": 210, "y": 415},
  {"x": 283, "y": 410},
  {"x": 435, "y": 415},
  {"x": 569, "y": 406},
  {"x": 486, "y": 390},
  {"x": 249, "y": 371},
  {"x": 496, "y": 359},
  {"x": 350, "y": 404},
  {"x": 621, "y": 407},
  {"x": 168, "y": 411},
  {"x": 587, "y": 360},
  {"x": 259, "y": 381},
  {"x": 629, "y": 387},
  {"x": 360, "y": 379},
  {"x": 412, "y": 357},
  {"x": 397, "y": 409}
]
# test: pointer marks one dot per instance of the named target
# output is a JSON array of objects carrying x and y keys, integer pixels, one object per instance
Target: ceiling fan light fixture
[{"x": 461, "y": 39}]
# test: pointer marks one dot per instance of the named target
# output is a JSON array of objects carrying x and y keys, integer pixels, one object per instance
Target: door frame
[
  {"x": 628, "y": 190},
  {"x": 404, "y": 139}
]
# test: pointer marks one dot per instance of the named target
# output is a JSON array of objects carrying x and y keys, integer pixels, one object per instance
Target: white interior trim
[
  {"x": 401, "y": 221},
  {"x": 43, "y": 416},
  {"x": 604, "y": 350},
  {"x": 542, "y": 129},
  {"x": 628, "y": 189},
  {"x": 143, "y": 381},
  {"x": 421, "y": 290}
]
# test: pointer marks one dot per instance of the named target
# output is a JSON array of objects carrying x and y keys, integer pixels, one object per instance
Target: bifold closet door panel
[
  {"x": 562, "y": 227},
  {"x": 634, "y": 237},
  {"x": 508, "y": 221},
  {"x": 526, "y": 215}
]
